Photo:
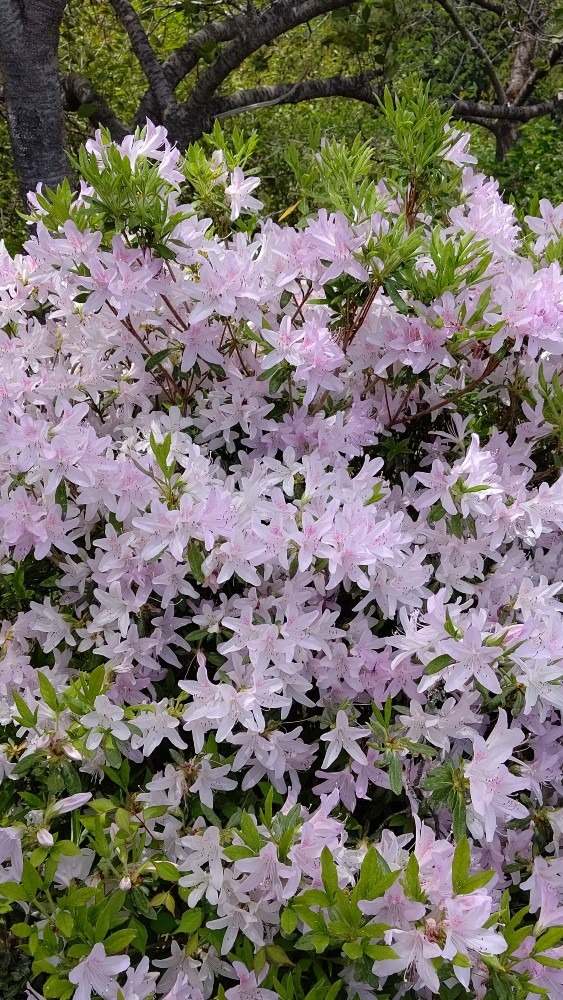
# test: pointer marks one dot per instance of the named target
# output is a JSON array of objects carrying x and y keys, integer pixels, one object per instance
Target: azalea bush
[{"x": 281, "y": 572}]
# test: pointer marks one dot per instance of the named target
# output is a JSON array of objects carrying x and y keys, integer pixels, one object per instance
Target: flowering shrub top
[{"x": 281, "y": 554}]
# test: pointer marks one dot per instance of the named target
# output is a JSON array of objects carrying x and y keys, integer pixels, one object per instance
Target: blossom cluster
[{"x": 281, "y": 563}]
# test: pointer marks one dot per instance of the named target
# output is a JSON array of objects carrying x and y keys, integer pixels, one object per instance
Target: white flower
[
  {"x": 96, "y": 973},
  {"x": 106, "y": 717},
  {"x": 238, "y": 193},
  {"x": 212, "y": 779},
  {"x": 69, "y": 803},
  {"x": 156, "y": 726},
  {"x": 10, "y": 850},
  {"x": 344, "y": 737},
  {"x": 74, "y": 866},
  {"x": 44, "y": 838}
]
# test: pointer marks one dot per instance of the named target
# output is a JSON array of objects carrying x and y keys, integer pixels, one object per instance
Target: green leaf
[
  {"x": 167, "y": 871},
  {"x": 329, "y": 873},
  {"x": 13, "y": 891},
  {"x": 21, "y": 930},
  {"x": 313, "y": 941},
  {"x": 276, "y": 955},
  {"x": 96, "y": 681},
  {"x": 249, "y": 832},
  {"x": 31, "y": 880},
  {"x": 65, "y": 923},
  {"x": 353, "y": 949},
  {"x": 333, "y": 991},
  {"x": 28, "y": 719},
  {"x": 281, "y": 373},
  {"x": 459, "y": 817},
  {"x": 155, "y": 359},
  {"x": 461, "y": 961},
  {"x": 460, "y": 865},
  {"x": 154, "y": 812},
  {"x": 161, "y": 451},
  {"x": 552, "y": 963},
  {"x": 99, "y": 840},
  {"x": 236, "y": 852},
  {"x": 260, "y": 960},
  {"x": 475, "y": 882},
  {"x": 501, "y": 987},
  {"x": 61, "y": 497},
  {"x": 288, "y": 920},
  {"x": 54, "y": 987},
  {"x": 190, "y": 922},
  {"x": 452, "y": 629},
  {"x": 141, "y": 935},
  {"x": 119, "y": 940},
  {"x": 411, "y": 880},
  {"x": 552, "y": 937},
  {"x": 195, "y": 560},
  {"x": 379, "y": 952},
  {"x": 397, "y": 299},
  {"x": 438, "y": 664},
  {"x": 313, "y": 897},
  {"x": 395, "y": 773},
  {"x": 141, "y": 903},
  {"x": 79, "y": 898},
  {"x": 375, "y": 876}
]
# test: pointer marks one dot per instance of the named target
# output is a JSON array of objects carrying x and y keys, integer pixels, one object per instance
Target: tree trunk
[
  {"x": 29, "y": 38},
  {"x": 506, "y": 134},
  {"x": 184, "y": 128}
]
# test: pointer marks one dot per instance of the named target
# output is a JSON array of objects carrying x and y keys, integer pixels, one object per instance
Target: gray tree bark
[{"x": 29, "y": 38}]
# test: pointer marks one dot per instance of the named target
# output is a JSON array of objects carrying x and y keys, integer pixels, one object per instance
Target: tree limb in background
[
  {"x": 185, "y": 58},
  {"x": 160, "y": 86},
  {"x": 526, "y": 50},
  {"x": 479, "y": 49},
  {"x": 259, "y": 29},
  {"x": 79, "y": 94},
  {"x": 554, "y": 57},
  {"x": 517, "y": 114},
  {"x": 358, "y": 87},
  {"x": 495, "y": 8}
]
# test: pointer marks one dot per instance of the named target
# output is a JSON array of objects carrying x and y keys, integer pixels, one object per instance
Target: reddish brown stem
[{"x": 492, "y": 364}]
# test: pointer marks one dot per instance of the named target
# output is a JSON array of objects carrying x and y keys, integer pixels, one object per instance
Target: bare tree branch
[
  {"x": 186, "y": 57},
  {"x": 477, "y": 47},
  {"x": 505, "y": 112},
  {"x": 495, "y": 8},
  {"x": 525, "y": 49},
  {"x": 78, "y": 91},
  {"x": 554, "y": 57},
  {"x": 259, "y": 29},
  {"x": 160, "y": 86},
  {"x": 359, "y": 87},
  {"x": 483, "y": 122}
]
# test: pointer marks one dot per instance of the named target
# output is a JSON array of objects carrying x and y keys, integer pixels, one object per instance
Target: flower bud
[{"x": 44, "y": 838}]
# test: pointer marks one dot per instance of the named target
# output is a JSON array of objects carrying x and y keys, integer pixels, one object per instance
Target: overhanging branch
[
  {"x": 495, "y": 8},
  {"x": 555, "y": 56},
  {"x": 358, "y": 87},
  {"x": 186, "y": 57},
  {"x": 78, "y": 92},
  {"x": 256, "y": 30},
  {"x": 160, "y": 86},
  {"x": 517, "y": 114},
  {"x": 475, "y": 44}
]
